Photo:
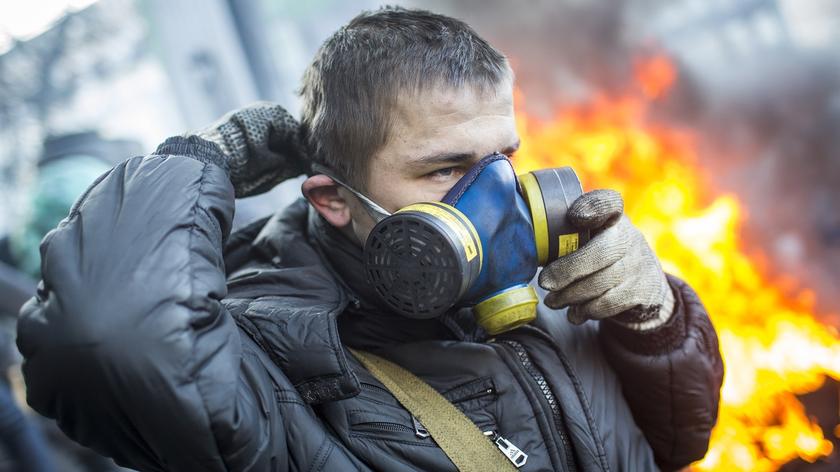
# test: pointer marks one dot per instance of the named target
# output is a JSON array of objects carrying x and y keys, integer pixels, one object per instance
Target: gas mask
[{"x": 479, "y": 246}]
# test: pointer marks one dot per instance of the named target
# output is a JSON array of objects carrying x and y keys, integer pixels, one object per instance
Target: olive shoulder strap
[{"x": 461, "y": 440}]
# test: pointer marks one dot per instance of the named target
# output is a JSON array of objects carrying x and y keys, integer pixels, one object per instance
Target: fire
[
  {"x": 655, "y": 76},
  {"x": 772, "y": 344}
]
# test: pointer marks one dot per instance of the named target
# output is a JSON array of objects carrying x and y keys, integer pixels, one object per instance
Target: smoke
[
  {"x": 774, "y": 135},
  {"x": 762, "y": 93},
  {"x": 559, "y": 50}
]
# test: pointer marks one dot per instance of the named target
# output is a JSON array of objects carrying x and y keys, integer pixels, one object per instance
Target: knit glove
[
  {"x": 261, "y": 144},
  {"x": 615, "y": 275}
]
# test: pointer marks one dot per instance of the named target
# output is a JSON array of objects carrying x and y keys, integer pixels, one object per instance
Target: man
[{"x": 151, "y": 345}]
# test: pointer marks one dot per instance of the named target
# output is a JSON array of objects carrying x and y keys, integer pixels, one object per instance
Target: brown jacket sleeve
[{"x": 671, "y": 378}]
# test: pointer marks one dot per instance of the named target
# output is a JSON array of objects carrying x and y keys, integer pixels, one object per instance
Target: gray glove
[
  {"x": 262, "y": 147},
  {"x": 615, "y": 273}
]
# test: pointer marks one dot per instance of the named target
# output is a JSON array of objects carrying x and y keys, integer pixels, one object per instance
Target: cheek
[
  {"x": 435, "y": 192},
  {"x": 395, "y": 191},
  {"x": 417, "y": 191}
]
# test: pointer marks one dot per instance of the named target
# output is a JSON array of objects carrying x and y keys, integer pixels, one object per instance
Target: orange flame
[
  {"x": 773, "y": 346},
  {"x": 655, "y": 76}
]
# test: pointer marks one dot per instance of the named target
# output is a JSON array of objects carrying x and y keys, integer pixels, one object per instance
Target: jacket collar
[
  {"x": 367, "y": 323},
  {"x": 300, "y": 294},
  {"x": 284, "y": 297}
]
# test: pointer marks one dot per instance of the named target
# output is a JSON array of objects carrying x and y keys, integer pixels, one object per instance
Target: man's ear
[{"x": 322, "y": 192}]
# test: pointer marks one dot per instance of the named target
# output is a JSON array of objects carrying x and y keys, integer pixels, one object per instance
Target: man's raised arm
[{"x": 127, "y": 343}]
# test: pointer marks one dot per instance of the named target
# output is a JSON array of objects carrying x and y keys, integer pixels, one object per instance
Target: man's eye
[{"x": 444, "y": 174}]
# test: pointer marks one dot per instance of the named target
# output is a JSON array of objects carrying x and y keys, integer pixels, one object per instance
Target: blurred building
[
  {"x": 711, "y": 35},
  {"x": 92, "y": 69},
  {"x": 147, "y": 69}
]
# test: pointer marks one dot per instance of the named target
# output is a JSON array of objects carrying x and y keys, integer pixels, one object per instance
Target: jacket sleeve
[
  {"x": 127, "y": 343},
  {"x": 671, "y": 378}
]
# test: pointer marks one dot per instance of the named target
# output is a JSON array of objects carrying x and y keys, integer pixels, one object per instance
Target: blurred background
[{"x": 719, "y": 120}]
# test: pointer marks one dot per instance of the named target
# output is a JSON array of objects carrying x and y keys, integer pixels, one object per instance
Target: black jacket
[{"x": 150, "y": 344}]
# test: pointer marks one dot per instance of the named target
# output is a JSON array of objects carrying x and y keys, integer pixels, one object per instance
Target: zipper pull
[
  {"x": 419, "y": 430},
  {"x": 513, "y": 453}
]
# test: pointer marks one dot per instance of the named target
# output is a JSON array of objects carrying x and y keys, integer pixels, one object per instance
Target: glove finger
[
  {"x": 253, "y": 122},
  {"x": 596, "y": 209},
  {"x": 601, "y": 251},
  {"x": 286, "y": 148},
  {"x": 589, "y": 287},
  {"x": 611, "y": 303},
  {"x": 283, "y": 153},
  {"x": 576, "y": 315}
]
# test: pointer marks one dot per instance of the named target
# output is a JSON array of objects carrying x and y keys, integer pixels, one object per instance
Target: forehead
[
  {"x": 438, "y": 107},
  {"x": 435, "y": 102},
  {"x": 451, "y": 119}
]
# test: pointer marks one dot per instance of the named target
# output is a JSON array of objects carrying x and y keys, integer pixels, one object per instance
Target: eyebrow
[
  {"x": 455, "y": 157},
  {"x": 443, "y": 158}
]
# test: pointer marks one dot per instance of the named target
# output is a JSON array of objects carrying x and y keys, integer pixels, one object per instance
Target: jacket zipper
[
  {"x": 419, "y": 430},
  {"x": 510, "y": 450},
  {"x": 383, "y": 426},
  {"x": 483, "y": 393},
  {"x": 548, "y": 394}
]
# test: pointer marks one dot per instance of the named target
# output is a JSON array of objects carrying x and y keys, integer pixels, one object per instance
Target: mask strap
[{"x": 375, "y": 211}]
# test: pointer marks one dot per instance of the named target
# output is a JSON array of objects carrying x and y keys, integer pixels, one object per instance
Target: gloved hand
[
  {"x": 262, "y": 147},
  {"x": 615, "y": 273}
]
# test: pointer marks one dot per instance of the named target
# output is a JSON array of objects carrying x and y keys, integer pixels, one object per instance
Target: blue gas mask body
[{"x": 479, "y": 246}]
